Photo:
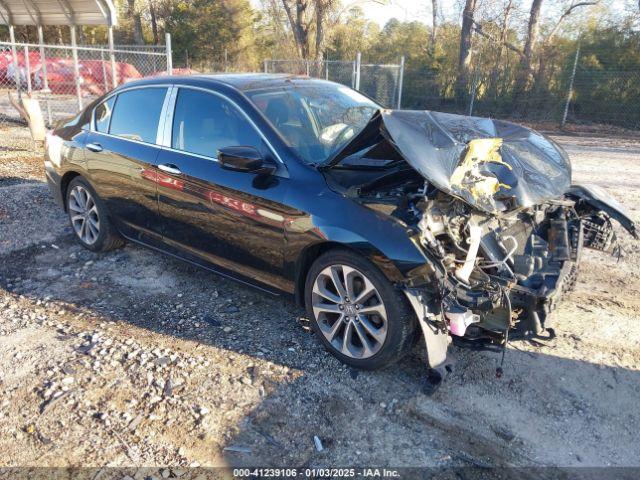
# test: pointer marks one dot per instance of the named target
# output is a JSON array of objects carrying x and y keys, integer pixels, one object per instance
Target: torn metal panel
[
  {"x": 491, "y": 164},
  {"x": 600, "y": 200},
  {"x": 436, "y": 339}
]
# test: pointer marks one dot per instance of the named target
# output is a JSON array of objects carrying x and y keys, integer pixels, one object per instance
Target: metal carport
[{"x": 70, "y": 13}]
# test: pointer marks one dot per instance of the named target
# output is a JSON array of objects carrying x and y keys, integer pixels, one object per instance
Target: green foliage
[
  {"x": 202, "y": 30},
  {"x": 355, "y": 34},
  {"x": 607, "y": 84}
]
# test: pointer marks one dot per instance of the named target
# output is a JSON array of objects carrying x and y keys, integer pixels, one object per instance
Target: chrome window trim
[
  {"x": 191, "y": 154},
  {"x": 153, "y": 145},
  {"x": 165, "y": 122},
  {"x": 168, "y": 120},
  {"x": 163, "y": 116},
  {"x": 169, "y": 124}
]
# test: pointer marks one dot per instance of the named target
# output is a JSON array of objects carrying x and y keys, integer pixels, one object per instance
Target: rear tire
[
  {"x": 364, "y": 321},
  {"x": 89, "y": 218}
]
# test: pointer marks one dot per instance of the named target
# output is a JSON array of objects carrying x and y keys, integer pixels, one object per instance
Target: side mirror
[{"x": 245, "y": 159}]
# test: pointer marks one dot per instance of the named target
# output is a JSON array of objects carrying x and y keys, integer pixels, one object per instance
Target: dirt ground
[{"x": 134, "y": 359}]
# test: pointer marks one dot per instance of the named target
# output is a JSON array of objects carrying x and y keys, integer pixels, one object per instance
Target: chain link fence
[
  {"x": 561, "y": 91},
  {"x": 565, "y": 91},
  {"x": 605, "y": 96},
  {"x": 64, "y": 78},
  {"x": 383, "y": 83},
  {"x": 339, "y": 71}
]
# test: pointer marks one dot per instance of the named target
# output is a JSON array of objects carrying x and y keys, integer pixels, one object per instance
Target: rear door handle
[
  {"x": 94, "y": 147},
  {"x": 170, "y": 168}
]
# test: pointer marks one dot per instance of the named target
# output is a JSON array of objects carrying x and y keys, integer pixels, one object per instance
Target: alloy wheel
[
  {"x": 349, "y": 311},
  {"x": 83, "y": 212}
]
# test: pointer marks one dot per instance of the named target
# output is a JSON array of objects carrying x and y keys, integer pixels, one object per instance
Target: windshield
[{"x": 315, "y": 118}]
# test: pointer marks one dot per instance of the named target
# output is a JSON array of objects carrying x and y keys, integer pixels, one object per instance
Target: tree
[
  {"x": 202, "y": 30},
  {"x": 525, "y": 73},
  {"x": 434, "y": 22},
  {"x": 300, "y": 24},
  {"x": 154, "y": 22},
  {"x": 505, "y": 28},
  {"x": 322, "y": 10},
  {"x": 351, "y": 35},
  {"x": 134, "y": 15},
  {"x": 303, "y": 15},
  {"x": 464, "y": 59}
]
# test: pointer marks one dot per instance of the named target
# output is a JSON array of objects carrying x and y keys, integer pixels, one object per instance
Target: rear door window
[{"x": 136, "y": 114}]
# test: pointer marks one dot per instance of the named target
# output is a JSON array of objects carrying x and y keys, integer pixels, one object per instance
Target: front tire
[
  {"x": 357, "y": 314},
  {"x": 89, "y": 219}
]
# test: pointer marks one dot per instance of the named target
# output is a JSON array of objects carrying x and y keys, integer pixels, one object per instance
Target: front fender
[
  {"x": 382, "y": 240},
  {"x": 392, "y": 262},
  {"x": 597, "y": 198}
]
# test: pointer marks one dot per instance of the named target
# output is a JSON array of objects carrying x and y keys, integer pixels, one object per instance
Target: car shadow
[
  {"x": 546, "y": 410},
  {"x": 9, "y": 181}
]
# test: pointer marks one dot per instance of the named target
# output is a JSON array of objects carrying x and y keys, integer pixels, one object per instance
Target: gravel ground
[{"x": 134, "y": 359}]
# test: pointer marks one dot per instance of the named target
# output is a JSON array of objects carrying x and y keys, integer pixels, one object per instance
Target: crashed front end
[
  {"x": 494, "y": 274},
  {"x": 495, "y": 214}
]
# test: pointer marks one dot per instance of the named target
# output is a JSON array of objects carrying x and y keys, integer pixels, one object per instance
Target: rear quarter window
[{"x": 102, "y": 115}]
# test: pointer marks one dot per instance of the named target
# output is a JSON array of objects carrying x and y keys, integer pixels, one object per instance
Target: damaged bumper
[
  {"x": 492, "y": 209},
  {"x": 514, "y": 272}
]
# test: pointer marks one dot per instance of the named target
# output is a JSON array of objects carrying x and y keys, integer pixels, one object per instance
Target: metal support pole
[
  {"x": 27, "y": 67},
  {"x": 353, "y": 74},
  {"x": 266, "y": 66},
  {"x": 104, "y": 71},
  {"x": 326, "y": 69},
  {"x": 307, "y": 66},
  {"x": 14, "y": 54},
  {"x": 358, "y": 63},
  {"x": 43, "y": 60},
  {"x": 400, "y": 81},
  {"x": 474, "y": 88},
  {"x": 43, "y": 71},
  {"x": 112, "y": 58},
  {"x": 226, "y": 60},
  {"x": 167, "y": 44},
  {"x": 570, "y": 92},
  {"x": 76, "y": 66}
]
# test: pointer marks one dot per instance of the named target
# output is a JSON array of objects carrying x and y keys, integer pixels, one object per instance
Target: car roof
[{"x": 243, "y": 82}]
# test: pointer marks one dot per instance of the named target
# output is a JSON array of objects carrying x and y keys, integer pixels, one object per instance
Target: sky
[
  {"x": 403, "y": 10},
  {"x": 381, "y": 11}
]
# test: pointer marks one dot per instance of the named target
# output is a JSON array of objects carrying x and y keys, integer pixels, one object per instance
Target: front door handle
[
  {"x": 170, "y": 168},
  {"x": 94, "y": 147}
]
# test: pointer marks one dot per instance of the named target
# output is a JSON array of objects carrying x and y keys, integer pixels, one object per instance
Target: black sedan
[{"x": 381, "y": 223}]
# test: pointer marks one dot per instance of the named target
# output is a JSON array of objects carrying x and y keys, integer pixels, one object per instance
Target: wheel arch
[
  {"x": 312, "y": 252},
  {"x": 64, "y": 185}
]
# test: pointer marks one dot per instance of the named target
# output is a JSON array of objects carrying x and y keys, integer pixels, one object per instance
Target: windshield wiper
[{"x": 368, "y": 166}]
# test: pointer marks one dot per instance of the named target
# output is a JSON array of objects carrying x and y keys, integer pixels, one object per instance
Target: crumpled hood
[{"x": 491, "y": 164}]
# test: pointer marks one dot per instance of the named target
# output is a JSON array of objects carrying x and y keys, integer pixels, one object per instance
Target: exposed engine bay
[{"x": 492, "y": 207}]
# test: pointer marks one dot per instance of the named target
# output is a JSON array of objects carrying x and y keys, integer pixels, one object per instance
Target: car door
[
  {"x": 233, "y": 220},
  {"x": 121, "y": 153}
]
